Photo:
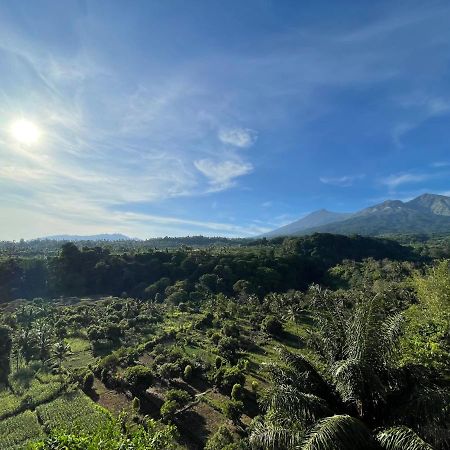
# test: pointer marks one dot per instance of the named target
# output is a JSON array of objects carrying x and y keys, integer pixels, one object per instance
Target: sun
[{"x": 25, "y": 132}]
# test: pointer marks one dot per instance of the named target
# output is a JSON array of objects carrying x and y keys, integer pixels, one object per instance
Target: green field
[
  {"x": 71, "y": 412},
  {"x": 19, "y": 430}
]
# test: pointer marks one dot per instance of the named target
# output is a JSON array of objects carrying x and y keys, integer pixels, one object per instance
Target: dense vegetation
[{"x": 319, "y": 342}]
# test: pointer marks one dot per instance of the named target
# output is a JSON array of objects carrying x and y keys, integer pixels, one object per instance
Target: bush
[
  {"x": 136, "y": 404},
  {"x": 168, "y": 410},
  {"x": 228, "y": 347},
  {"x": 138, "y": 377},
  {"x": 220, "y": 440},
  {"x": 271, "y": 325},
  {"x": 109, "y": 363},
  {"x": 88, "y": 382},
  {"x": 233, "y": 410},
  {"x": 169, "y": 370},
  {"x": 187, "y": 374},
  {"x": 236, "y": 392},
  {"x": 179, "y": 395},
  {"x": 226, "y": 378},
  {"x": 230, "y": 330}
]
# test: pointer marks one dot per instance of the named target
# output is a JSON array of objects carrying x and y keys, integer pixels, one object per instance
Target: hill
[
  {"x": 315, "y": 219},
  {"x": 426, "y": 214}
]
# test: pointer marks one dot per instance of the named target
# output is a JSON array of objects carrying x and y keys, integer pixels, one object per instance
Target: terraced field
[
  {"x": 71, "y": 412},
  {"x": 17, "y": 431}
]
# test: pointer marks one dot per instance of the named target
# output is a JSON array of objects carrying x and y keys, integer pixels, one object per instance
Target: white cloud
[
  {"x": 344, "y": 181},
  {"x": 440, "y": 164},
  {"x": 394, "y": 181},
  {"x": 239, "y": 137},
  {"x": 221, "y": 174}
]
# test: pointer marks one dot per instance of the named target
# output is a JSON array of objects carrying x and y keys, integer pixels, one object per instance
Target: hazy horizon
[{"x": 184, "y": 118}]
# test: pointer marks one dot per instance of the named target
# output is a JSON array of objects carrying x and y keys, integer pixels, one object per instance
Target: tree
[
  {"x": 138, "y": 377},
  {"x": 236, "y": 392},
  {"x": 88, "y": 381},
  {"x": 233, "y": 411},
  {"x": 220, "y": 440},
  {"x": 367, "y": 402},
  {"x": 5, "y": 352},
  {"x": 60, "y": 352},
  {"x": 427, "y": 337},
  {"x": 271, "y": 325},
  {"x": 187, "y": 374},
  {"x": 168, "y": 409}
]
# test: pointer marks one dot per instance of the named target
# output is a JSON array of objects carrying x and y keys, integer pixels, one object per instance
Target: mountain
[
  {"x": 94, "y": 237},
  {"x": 428, "y": 213},
  {"x": 436, "y": 204},
  {"x": 315, "y": 219}
]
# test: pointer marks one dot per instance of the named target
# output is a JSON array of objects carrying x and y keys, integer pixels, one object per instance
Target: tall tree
[
  {"x": 5, "y": 353},
  {"x": 363, "y": 400}
]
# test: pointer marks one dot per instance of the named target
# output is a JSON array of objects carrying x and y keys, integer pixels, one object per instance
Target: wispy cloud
[
  {"x": 393, "y": 181},
  {"x": 418, "y": 108},
  {"x": 344, "y": 181},
  {"x": 221, "y": 174},
  {"x": 239, "y": 137},
  {"x": 440, "y": 164}
]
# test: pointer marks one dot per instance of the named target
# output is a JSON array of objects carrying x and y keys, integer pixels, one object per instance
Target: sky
[{"x": 231, "y": 118}]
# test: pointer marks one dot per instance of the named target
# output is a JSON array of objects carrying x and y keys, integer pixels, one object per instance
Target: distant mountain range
[
  {"x": 94, "y": 237},
  {"x": 428, "y": 213}
]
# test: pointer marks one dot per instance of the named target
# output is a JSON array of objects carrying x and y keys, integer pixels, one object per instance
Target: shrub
[
  {"x": 271, "y": 325},
  {"x": 220, "y": 440},
  {"x": 179, "y": 395},
  {"x": 138, "y": 377},
  {"x": 136, "y": 404},
  {"x": 228, "y": 347},
  {"x": 169, "y": 370},
  {"x": 168, "y": 410},
  {"x": 230, "y": 330},
  {"x": 88, "y": 381},
  {"x": 233, "y": 410},
  {"x": 236, "y": 391},
  {"x": 187, "y": 374},
  {"x": 226, "y": 377}
]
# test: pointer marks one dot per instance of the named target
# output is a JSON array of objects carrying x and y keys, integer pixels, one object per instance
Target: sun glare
[{"x": 25, "y": 132}]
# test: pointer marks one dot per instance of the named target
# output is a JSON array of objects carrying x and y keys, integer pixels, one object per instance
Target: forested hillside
[{"x": 319, "y": 342}]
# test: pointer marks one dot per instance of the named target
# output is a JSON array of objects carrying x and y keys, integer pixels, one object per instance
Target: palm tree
[
  {"x": 360, "y": 400},
  {"x": 60, "y": 351}
]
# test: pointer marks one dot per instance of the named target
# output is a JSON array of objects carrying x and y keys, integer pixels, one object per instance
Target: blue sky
[{"x": 220, "y": 118}]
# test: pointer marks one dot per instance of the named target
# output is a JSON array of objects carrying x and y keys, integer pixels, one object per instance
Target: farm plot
[
  {"x": 71, "y": 412},
  {"x": 17, "y": 431}
]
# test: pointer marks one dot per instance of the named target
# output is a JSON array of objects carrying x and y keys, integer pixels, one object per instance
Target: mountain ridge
[{"x": 427, "y": 213}]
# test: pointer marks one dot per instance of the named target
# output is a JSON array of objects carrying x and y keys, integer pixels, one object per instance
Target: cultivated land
[{"x": 224, "y": 347}]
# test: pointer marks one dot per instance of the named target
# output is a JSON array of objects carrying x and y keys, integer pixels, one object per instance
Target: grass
[
  {"x": 81, "y": 353},
  {"x": 41, "y": 388},
  {"x": 9, "y": 402},
  {"x": 71, "y": 412},
  {"x": 17, "y": 431}
]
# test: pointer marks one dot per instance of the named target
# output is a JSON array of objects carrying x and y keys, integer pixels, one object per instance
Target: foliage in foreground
[
  {"x": 363, "y": 400},
  {"x": 115, "y": 435}
]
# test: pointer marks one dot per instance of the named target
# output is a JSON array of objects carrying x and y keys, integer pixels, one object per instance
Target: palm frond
[
  {"x": 401, "y": 438},
  {"x": 339, "y": 432},
  {"x": 424, "y": 405},
  {"x": 272, "y": 436},
  {"x": 390, "y": 333},
  {"x": 296, "y": 405},
  {"x": 308, "y": 377}
]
